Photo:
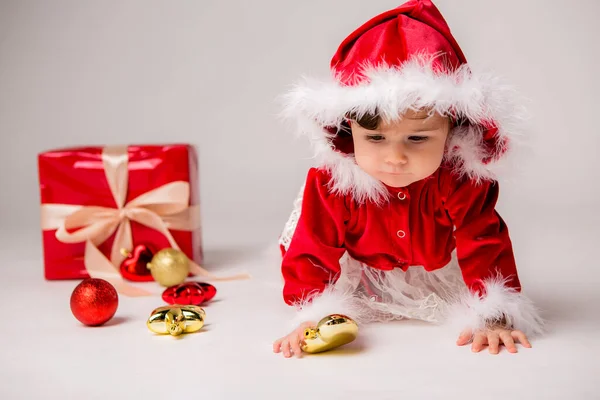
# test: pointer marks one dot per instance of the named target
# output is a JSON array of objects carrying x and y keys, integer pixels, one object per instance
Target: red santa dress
[{"x": 436, "y": 250}]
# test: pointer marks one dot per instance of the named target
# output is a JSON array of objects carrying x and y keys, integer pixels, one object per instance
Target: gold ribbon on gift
[{"x": 166, "y": 207}]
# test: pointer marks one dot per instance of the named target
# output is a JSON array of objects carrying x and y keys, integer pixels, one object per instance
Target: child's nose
[{"x": 397, "y": 155}]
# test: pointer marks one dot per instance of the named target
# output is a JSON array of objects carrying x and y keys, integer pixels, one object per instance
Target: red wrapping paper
[{"x": 76, "y": 176}]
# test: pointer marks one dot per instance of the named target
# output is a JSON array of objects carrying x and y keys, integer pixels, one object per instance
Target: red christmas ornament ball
[{"x": 94, "y": 301}]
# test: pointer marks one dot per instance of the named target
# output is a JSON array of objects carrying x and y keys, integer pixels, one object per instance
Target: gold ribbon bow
[{"x": 163, "y": 208}]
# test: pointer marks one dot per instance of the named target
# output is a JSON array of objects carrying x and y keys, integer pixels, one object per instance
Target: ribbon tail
[
  {"x": 128, "y": 290},
  {"x": 123, "y": 240},
  {"x": 98, "y": 266},
  {"x": 197, "y": 270}
]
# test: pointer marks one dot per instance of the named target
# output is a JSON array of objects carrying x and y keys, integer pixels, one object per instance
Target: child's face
[{"x": 401, "y": 152}]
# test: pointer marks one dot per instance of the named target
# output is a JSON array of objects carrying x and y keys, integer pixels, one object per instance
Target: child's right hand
[{"x": 292, "y": 343}]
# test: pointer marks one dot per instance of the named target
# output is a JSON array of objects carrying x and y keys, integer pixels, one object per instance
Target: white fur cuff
[
  {"x": 472, "y": 312},
  {"x": 331, "y": 301}
]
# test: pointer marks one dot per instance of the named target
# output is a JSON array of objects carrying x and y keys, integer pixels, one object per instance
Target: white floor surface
[{"x": 47, "y": 354}]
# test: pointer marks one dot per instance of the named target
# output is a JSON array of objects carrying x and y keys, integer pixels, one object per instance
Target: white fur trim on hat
[{"x": 390, "y": 90}]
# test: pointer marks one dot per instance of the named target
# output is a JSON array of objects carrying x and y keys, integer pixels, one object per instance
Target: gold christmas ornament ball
[{"x": 169, "y": 267}]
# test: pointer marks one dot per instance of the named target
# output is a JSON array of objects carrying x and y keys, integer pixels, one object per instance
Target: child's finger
[
  {"x": 464, "y": 338},
  {"x": 520, "y": 336},
  {"x": 478, "y": 342},
  {"x": 277, "y": 344},
  {"x": 508, "y": 342},
  {"x": 494, "y": 342},
  {"x": 285, "y": 345},
  {"x": 295, "y": 342}
]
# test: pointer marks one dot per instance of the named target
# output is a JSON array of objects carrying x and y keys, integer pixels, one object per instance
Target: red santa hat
[{"x": 402, "y": 59}]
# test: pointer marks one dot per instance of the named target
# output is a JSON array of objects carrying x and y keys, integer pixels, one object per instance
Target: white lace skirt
[{"x": 397, "y": 294}]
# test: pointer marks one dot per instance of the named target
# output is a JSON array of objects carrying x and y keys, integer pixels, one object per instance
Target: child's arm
[
  {"x": 487, "y": 262},
  {"x": 311, "y": 263}
]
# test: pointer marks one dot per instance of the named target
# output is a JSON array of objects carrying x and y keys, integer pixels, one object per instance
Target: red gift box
[{"x": 157, "y": 186}]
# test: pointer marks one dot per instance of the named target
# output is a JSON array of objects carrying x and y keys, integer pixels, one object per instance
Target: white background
[{"x": 208, "y": 73}]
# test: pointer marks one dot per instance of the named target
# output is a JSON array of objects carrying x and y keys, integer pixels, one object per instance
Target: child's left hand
[{"x": 493, "y": 336}]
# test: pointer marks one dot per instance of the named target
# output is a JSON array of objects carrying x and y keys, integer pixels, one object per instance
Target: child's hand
[
  {"x": 293, "y": 341},
  {"x": 493, "y": 336}
]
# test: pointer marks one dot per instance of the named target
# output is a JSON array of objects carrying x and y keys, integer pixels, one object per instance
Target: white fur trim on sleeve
[
  {"x": 330, "y": 301},
  {"x": 472, "y": 312}
]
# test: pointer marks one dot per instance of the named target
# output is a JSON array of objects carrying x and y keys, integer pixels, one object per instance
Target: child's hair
[
  {"x": 368, "y": 121},
  {"x": 371, "y": 121}
]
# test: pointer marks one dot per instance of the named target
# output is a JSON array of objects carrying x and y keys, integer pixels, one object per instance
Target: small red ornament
[
  {"x": 94, "y": 301},
  {"x": 135, "y": 266},
  {"x": 189, "y": 293}
]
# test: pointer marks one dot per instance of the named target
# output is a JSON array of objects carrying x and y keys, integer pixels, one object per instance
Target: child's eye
[
  {"x": 375, "y": 138},
  {"x": 418, "y": 139}
]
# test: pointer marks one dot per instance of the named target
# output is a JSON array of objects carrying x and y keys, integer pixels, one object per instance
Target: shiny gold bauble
[
  {"x": 169, "y": 267},
  {"x": 176, "y": 319},
  {"x": 333, "y": 331}
]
